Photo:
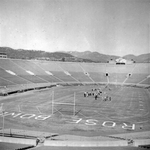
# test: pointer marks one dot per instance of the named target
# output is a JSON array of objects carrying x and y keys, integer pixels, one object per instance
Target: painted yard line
[
  {"x": 83, "y": 115},
  {"x": 116, "y": 102},
  {"x": 146, "y": 105},
  {"x": 58, "y": 111},
  {"x": 140, "y": 100},
  {"x": 140, "y": 96},
  {"x": 131, "y": 102},
  {"x": 39, "y": 110},
  {"x": 143, "y": 121},
  {"x": 132, "y": 116},
  {"x": 19, "y": 108},
  {"x": 105, "y": 116},
  {"x": 126, "y": 117}
]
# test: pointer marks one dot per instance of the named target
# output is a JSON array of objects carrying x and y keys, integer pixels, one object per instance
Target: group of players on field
[{"x": 98, "y": 93}]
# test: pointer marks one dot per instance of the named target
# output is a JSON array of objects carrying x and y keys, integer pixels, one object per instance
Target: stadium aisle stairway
[
  {"x": 21, "y": 74},
  {"x": 97, "y": 72},
  {"x": 139, "y": 73},
  {"x": 9, "y": 78}
]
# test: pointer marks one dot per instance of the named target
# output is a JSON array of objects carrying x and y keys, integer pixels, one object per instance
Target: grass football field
[{"x": 65, "y": 110}]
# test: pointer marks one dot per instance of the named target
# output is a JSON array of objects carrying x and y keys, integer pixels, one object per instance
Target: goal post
[{"x": 63, "y": 107}]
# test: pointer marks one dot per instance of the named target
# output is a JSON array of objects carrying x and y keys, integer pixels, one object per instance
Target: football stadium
[
  {"x": 74, "y": 74},
  {"x": 74, "y": 105}
]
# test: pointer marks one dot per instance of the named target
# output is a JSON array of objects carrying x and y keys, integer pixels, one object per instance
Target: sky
[{"x": 114, "y": 27}]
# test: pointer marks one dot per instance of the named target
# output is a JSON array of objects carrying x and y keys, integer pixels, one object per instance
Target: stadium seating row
[{"x": 26, "y": 74}]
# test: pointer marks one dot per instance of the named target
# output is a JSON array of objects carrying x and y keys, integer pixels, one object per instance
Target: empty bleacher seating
[{"x": 20, "y": 75}]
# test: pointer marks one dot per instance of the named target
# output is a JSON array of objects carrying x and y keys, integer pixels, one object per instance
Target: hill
[
  {"x": 144, "y": 58},
  {"x": 94, "y": 56},
  {"x": 98, "y": 57},
  {"x": 31, "y": 54},
  {"x": 71, "y": 56},
  {"x": 40, "y": 55}
]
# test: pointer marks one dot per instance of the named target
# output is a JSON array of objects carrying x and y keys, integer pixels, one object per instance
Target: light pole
[
  {"x": 2, "y": 111},
  {"x": 3, "y": 121}
]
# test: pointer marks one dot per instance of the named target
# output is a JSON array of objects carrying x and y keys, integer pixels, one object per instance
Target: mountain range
[
  {"x": 98, "y": 57},
  {"x": 86, "y": 56}
]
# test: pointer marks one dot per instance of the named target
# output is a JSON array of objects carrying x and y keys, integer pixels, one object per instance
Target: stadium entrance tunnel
[{"x": 106, "y": 74}]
